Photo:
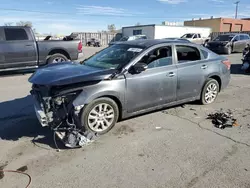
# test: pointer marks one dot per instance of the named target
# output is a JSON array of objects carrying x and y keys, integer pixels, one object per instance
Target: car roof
[{"x": 151, "y": 42}]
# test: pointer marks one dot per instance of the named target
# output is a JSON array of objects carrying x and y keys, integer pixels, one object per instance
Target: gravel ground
[{"x": 186, "y": 151}]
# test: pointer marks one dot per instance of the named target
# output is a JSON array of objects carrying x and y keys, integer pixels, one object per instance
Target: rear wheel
[
  {"x": 56, "y": 58},
  {"x": 100, "y": 115},
  {"x": 210, "y": 91}
]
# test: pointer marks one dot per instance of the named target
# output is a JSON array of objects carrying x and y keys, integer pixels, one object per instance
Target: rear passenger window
[
  {"x": 15, "y": 34},
  {"x": 187, "y": 53},
  {"x": 242, "y": 37},
  {"x": 246, "y": 37}
]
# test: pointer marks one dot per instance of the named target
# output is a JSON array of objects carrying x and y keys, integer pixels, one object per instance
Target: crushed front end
[{"x": 56, "y": 110}]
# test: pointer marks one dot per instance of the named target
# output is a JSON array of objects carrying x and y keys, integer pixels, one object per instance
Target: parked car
[
  {"x": 196, "y": 38},
  {"x": 20, "y": 50},
  {"x": 128, "y": 38},
  {"x": 125, "y": 80},
  {"x": 229, "y": 43},
  {"x": 93, "y": 42},
  {"x": 178, "y": 39}
]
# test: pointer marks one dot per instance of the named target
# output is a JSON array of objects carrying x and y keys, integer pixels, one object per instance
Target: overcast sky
[{"x": 66, "y": 16}]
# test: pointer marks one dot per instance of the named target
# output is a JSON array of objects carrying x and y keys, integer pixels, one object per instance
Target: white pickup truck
[{"x": 196, "y": 38}]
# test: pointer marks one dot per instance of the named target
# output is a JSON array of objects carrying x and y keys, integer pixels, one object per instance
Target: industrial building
[{"x": 221, "y": 24}]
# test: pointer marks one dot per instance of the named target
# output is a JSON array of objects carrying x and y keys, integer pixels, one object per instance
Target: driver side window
[{"x": 158, "y": 57}]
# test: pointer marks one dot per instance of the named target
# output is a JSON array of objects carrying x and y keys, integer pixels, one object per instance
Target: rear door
[
  {"x": 237, "y": 43},
  {"x": 19, "y": 48},
  {"x": 191, "y": 69}
]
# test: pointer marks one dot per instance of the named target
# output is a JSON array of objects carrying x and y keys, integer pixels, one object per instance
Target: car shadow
[{"x": 18, "y": 120}]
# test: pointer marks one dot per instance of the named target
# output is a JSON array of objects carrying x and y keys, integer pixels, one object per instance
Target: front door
[
  {"x": 190, "y": 70},
  {"x": 157, "y": 85},
  {"x": 19, "y": 48}
]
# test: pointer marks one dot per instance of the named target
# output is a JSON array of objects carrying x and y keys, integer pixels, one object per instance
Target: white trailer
[{"x": 164, "y": 31}]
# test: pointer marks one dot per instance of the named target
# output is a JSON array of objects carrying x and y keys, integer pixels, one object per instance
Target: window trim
[
  {"x": 187, "y": 62},
  {"x": 28, "y": 37}
]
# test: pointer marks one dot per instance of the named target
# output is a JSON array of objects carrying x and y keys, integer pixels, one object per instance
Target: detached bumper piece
[
  {"x": 62, "y": 117},
  {"x": 74, "y": 139}
]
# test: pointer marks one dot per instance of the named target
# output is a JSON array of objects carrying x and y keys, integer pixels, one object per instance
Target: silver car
[{"x": 125, "y": 80}]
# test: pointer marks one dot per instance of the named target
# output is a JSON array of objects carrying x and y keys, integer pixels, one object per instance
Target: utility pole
[{"x": 236, "y": 11}]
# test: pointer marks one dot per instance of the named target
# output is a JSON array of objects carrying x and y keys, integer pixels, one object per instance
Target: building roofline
[{"x": 161, "y": 25}]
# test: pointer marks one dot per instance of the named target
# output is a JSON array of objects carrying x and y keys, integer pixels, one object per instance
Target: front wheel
[
  {"x": 210, "y": 91},
  {"x": 100, "y": 115}
]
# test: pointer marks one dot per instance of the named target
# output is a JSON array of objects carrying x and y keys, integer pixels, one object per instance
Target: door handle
[
  {"x": 28, "y": 45},
  {"x": 204, "y": 66},
  {"x": 171, "y": 74}
]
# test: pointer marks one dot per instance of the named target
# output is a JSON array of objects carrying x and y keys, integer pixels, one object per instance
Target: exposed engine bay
[{"x": 56, "y": 111}]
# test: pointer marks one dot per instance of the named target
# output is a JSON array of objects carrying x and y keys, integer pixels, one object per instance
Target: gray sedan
[{"x": 125, "y": 80}]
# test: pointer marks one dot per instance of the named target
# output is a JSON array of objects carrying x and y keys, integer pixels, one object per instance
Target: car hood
[{"x": 68, "y": 73}]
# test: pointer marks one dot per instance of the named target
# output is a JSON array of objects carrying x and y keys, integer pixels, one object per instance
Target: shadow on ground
[
  {"x": 16, "y": 73},
  {"x": 18, "y": 119}
]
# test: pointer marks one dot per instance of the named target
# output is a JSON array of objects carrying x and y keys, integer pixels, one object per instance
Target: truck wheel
[
  {"x": 100, "y": 115},
  {"x": 56, "y": 58},
  {"x": 210, "y": 91}
]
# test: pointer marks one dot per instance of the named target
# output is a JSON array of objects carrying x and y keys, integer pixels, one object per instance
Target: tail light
[
  {"x": 227, "y": 63},
  {"x": 80, "y": 47}
]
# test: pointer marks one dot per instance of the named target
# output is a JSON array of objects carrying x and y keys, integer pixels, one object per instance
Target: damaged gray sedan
[{"x": 125, "y": 80}]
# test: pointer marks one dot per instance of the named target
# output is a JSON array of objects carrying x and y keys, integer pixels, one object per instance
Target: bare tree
[
  {"x": 8, "y": 24},
  {"x": 111, "y": 28}
]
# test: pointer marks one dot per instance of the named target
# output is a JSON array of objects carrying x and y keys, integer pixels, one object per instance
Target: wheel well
[
  {"x": 118, "y": 102},
  {"x": 59, "y": 51},
  {"x": 218, "y": 79}
]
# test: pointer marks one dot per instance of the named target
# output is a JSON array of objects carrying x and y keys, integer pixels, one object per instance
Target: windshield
[
  {"x": 188, "y": 36},
  {"x": 114, "y": 57},
  {"x": 124, "y": 39},
  {"x": 224, "y": 38}
]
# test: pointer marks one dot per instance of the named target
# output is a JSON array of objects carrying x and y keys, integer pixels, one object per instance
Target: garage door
[
  {"x": 238, "y": 27},
  {"x": 226, "y": 27}
]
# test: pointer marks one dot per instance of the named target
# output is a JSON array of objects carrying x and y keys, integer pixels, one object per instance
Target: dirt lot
[{"x": 187, "y": 151}]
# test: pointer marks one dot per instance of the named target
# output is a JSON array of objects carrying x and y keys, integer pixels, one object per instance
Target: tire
[
  {"x": 57, "y": 58},
  {"x": 94, "y": 121},
  {"x": 229, "y": 50},
  {"x": 213, "y": 86}
]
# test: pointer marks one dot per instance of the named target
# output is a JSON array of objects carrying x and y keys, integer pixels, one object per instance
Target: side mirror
[
  {"x": 139, "y": 67},
  {"x": 235, "y": 40}
]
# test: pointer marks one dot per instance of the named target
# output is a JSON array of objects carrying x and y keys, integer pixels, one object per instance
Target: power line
[{"x": 93, "y": 15}]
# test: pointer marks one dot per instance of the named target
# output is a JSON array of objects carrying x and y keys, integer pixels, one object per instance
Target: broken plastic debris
[
  {"x": 158, "y": 128},
  {"x": 223, "y": 119}
]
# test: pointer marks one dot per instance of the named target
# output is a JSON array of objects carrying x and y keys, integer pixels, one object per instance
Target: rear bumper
[{"x": 225, "y": 80}]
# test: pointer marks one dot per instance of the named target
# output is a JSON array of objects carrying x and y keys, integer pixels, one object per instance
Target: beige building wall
[{"x": 214, "y": 24}]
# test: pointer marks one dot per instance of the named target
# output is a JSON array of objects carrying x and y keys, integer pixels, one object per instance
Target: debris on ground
[
  {"x": 223, "y": 119},
  {"x": 183, "y": 106},
  {"x": 158, "y": 128},
  {"x": 22, "y": 169},
  {"x": 1, "y": 170},
  {"x": 192, "y": 109},
  {"x": 74, "y": 139}
]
